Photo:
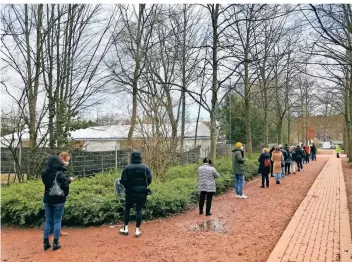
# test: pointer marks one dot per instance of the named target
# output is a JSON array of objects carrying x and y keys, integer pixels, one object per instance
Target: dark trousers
[
  {"x": 299, "y": 164},
  {"x": 338, "y": 155},
  {"x": 272, "y": 168},
  {"x": 287, "y": 168},
  {"x": 139, "y": 209},
  {"x": 307, "y": 158},
  {"x": 314, "y": 156},
  {"x": 202, "y": 199},
  {"x": 265, "y": 179}
]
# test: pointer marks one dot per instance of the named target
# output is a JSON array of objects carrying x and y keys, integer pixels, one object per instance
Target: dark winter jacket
[
  {"x": 262, "y": 169},
  {"x": 136, "y": 177},
  {"x": 313, "y": 149},
  {"x": 288, "y": 156},
  {"x": 271, "y": 153},
  {"x": 299, "y": 154},
  {"x": 55, "y": 167},
  {"x": 238, "y": 162}
]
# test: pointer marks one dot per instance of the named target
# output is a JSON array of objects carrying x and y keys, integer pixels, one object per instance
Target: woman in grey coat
[{"x": 206, "y": 184}]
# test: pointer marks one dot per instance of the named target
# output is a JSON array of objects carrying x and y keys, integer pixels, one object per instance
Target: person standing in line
[
  {"x": 55, "y": 174},
  {"x": 238, "y": 169},
  {"x": 206, "y": 185},
  {"x": 264, "y": 167},
  {"x": 288, "y": 160},
  {"x": 272, "y": 163},
  {"x": 284, "y": 155},
  {"x": 136, "y": 178},
  {"x": 338, "y": 151},
  {"x": 277, "y": 158},
  {"x": 307, "y": 153},
  {"x": 293, "y": 162},
  {"x": 299, "y": 157},
  {"x": 314, "y": 152}
]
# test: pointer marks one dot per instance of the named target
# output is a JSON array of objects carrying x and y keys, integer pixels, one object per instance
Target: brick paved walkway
[{"x": 320, "y": 229}]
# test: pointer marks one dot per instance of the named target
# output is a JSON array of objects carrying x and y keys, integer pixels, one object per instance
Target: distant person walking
[
  {"x": 307, "y": 153},
  {"x": 299, "y": 158},
  {"x": 206, "y": 185},
  {"x": 293, "y": 162},
  {"x": 264, "y": 167},
  {"x": 313, "y": 150},
  {"x": 338, "y": 151},
  {"x": 56, "y": 181},
  {"x": 136, "y": 178},
  {"x": 238, "y": 169},
  {"x": 284, "y": 155},
  {"x": 272, "y": 163},
  {"x": 277, "y": 158},
  {"x": 288, "y": 160}
]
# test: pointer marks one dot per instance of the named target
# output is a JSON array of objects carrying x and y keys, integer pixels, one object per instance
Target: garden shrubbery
[{"x": 92, "y": 200}]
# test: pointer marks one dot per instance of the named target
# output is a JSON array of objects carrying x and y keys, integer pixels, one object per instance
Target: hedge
[{"x": 92, "y": 200}]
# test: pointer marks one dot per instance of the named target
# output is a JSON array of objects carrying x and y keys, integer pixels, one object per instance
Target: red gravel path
[{"x": 246, "y": 230}]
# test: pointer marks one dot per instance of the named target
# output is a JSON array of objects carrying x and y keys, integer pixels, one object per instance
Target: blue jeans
[
  {"x": 53, "y": 217},
  {"x": 239, "y": 182},
  {"x": 283, "y": 173},
  {"x": 314, "y": 156},
  {"x": 277, "y": 176}
]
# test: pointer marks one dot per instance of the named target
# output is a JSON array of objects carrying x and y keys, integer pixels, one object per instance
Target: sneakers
[
  {"x": 138, "y": 232},
  {"x": 237, "y": 196},
  {"x": 244, "y": 197},
  {"x": 124, "y": 231}
]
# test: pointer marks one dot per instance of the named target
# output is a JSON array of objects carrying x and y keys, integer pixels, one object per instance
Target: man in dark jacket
[
  {"x": 287, "y": 159},
  {"x": 299, "y": 158},
  {"x": 313, "y": 150},
  {"x": 272, "y": 163},
  {"x": 264, "y": 167},
  {"x": 54, "y": 204},
  {"x": 136, "y": 178}
]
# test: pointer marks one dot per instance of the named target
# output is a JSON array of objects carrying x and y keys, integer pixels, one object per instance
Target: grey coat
[{"x": 206, "y": 178}]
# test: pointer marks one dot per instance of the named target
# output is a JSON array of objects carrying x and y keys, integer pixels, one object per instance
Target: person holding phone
[
  {"x": 206, "y": 185},
  {"x": 136, "y": 178},
  {"x": 56, "y": 170}
]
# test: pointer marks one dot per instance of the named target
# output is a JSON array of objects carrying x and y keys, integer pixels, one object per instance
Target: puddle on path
[{"x": 215, "y": 225}]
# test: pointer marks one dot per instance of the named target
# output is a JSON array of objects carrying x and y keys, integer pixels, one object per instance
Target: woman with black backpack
[
  {"x": 264, "y": 167},
  {"x": 56, "y": 181}
]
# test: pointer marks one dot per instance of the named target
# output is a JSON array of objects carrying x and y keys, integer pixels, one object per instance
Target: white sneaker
[
  {"x": 244, "y": 197},
  {"x": 138, "y": 232},
  {"x": 124, "y": 231},
  {"x": 237, "y": 196}
]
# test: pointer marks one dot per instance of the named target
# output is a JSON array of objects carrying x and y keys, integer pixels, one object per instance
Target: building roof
[
  {"x": 116, "y": 132},
  {"x": 120, "y": 132}
]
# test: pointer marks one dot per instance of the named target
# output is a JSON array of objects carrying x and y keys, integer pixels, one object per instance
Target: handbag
[
  {"x": 55, "y": 189},
  {"x": 148, "y": 191},
  {"x": 119, "y": 188}
]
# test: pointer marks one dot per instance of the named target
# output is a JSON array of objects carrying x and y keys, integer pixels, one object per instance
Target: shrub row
[{"x": 92, "y": 200}]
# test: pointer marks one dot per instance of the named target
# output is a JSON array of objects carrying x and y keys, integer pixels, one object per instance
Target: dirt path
[{"x": 239, "y": 230}]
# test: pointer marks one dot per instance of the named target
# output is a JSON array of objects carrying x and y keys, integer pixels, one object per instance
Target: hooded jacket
[
  {"x": 238, "y": 162},
  {"x": 262, "y": 169},
  {"x": 136, "y": 177},
  {"x": 55, "y": 167}
]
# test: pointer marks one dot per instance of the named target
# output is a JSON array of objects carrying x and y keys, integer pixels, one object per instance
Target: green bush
[{"x": 92, "y": 200}]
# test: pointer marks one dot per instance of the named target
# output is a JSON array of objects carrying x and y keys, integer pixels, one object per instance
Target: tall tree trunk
[
  {"x": 184, "y": 87},
  {"x": 266, "y": 122},
  {"x": 214, "y": 98},
  {"x": 136, "y": 73}
]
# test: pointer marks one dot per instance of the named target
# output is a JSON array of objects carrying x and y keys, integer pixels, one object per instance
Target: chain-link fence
[{"x": 83, "y": 163}]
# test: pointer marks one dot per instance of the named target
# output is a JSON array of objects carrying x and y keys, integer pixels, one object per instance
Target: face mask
[{"x": 65, "y": 163}]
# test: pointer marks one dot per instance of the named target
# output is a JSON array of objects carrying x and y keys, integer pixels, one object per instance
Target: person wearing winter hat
[{"x": 238, "y": 169}]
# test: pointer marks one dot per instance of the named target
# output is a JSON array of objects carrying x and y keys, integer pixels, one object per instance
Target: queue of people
[{"x": 136, "y": 177}]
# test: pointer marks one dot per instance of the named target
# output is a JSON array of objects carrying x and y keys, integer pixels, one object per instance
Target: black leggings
[
  {"x": 202, "y": 199},
  {"x": 299, "y": 164},
  {"x": 287, "y": 168},
  {"x": 139, "y": 209},
  {"x": 272, "y": 167},
  {"x": 265, "y": 179}
]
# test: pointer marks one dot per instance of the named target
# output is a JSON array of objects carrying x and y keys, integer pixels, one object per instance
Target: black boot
[
  {"x": 46, "y": 244},
  {"x": 56, "y": 245},
  {"x": 201, "y": 212}
]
